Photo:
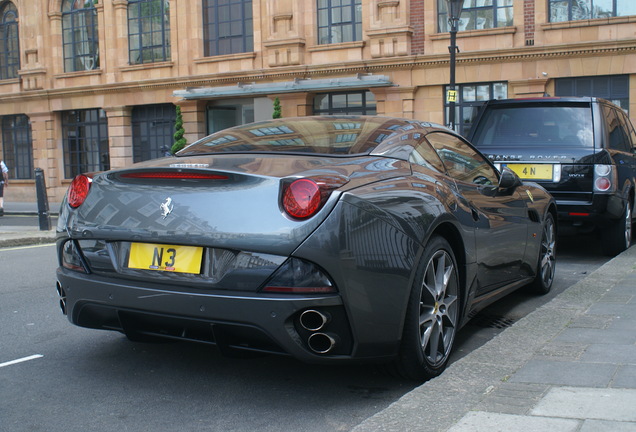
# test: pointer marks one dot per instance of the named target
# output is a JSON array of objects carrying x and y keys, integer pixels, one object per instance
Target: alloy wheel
[
  {"x": 438, "y": 308},
  {"x": 548, "y": 256},
  {"x": 628, "y": 225}
]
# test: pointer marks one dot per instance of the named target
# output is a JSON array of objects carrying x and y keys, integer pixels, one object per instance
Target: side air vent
[{"x": 533, "y": 215}]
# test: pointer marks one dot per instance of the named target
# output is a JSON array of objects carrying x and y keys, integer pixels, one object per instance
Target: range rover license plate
[
  {"x": 532, "y": 171},
  {"x": 162, "y": 257}
]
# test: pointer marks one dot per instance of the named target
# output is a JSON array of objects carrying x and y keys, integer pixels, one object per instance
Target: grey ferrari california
[{"x": 330, "y": 239}]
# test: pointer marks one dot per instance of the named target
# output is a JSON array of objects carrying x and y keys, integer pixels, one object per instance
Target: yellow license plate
[
  {"x": 162, "y": 257},
  {"x": 532, "y": 171}
]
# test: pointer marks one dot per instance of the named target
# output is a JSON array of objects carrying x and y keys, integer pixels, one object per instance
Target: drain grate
[{"x": 491, "y": 321}]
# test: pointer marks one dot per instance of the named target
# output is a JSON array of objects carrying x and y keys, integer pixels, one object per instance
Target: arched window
[
  {"x": 148, "y": 31},
  {"x": 9, "y": 46},
  {"x": 79, "y": 35}
]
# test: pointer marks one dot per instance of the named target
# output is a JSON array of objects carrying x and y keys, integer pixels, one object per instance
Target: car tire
[
  {"x": 618, "y": 236},
  {"x": 432, "y": 314},
  {"x": 546, "y": 264}
]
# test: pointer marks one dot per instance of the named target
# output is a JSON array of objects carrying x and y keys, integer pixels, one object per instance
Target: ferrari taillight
[
  {"x": 78, "y": 191},
  {"x": 302, "y": 198}
]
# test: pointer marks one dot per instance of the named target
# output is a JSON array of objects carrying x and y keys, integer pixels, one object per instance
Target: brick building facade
[{"x": 87, "y": 85}]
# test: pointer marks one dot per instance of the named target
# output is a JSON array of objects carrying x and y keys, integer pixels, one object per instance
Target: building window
[
  {"x": 614, "y": 88},
  {"x": 17, "y": 146},
  {"x": 573, "y": 10},
  {"x": 227, "y": 27},
  {"x": 153, "y": 131},
  {"x": 85, "y": 138},
  {"x": 478, "y": 14},
  {"x": 148, "y": 31},
  {"x": 470, "y": 97},
  {"x": 9, "y": 46},
  {"x": 346, "y": 103},
  {"x": 339, "y": 21},
  {"x": 79, "y": 35}
]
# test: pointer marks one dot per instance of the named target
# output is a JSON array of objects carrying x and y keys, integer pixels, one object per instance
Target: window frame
[
  {"x": 148, "y": 140},
  {"x": 140, "y": 52},
  {"x": 592, "y": 14},
  {"x": 90, "y": 127},
  {"x": 470, "y": 15},
  {"x": 17, "y": 146},
  {"x": 461, "y": 103},
  {"x": 84, "y": 37},
  {"x": 341, "y": 17},
  {"x": 9, "y": 42},
  {"x": 367, "y": 104},
  {"x": 614, "y": 88},
  {"x": 232, "y": 35}
]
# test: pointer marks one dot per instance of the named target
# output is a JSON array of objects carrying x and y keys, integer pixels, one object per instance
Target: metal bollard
[{"x": 43, "y": 201}]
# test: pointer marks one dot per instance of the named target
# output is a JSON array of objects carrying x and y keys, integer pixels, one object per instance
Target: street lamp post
[{"x": 454, "y": 9}]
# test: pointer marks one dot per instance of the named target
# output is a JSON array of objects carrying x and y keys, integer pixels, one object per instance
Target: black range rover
[{"x": 582, "y": 150}]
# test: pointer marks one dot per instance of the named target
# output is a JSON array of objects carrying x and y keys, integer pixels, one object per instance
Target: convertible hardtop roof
[{"x": 334, "y": 135}]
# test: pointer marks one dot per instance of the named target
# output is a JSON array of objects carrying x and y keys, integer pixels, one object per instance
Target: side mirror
[{"x": 508, "y": 179}]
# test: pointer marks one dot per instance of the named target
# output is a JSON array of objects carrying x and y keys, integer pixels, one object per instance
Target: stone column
[
  {"x": 295, "y": 104},
  {"x": 395, "y": 101},
  {"x": 48, "y": 152},
  {"x": 120, "y": 141},
  {"x": 535, "y": 87},
  {"x": 194, "y": 121}
]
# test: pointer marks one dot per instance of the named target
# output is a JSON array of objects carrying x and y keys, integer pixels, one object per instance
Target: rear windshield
[
  {"x": 324, "y": 135},
  {"x": 534, "y": 126}
]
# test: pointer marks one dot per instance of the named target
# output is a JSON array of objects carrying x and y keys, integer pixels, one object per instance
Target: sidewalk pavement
[
  {"x": 18, "y": 235},
  {"x": 568, "y": 366}
]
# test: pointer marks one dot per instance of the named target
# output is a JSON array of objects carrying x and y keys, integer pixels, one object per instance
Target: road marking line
[
  {"x": 27, "y": 247},
  {"x": 24, "y": 359}
]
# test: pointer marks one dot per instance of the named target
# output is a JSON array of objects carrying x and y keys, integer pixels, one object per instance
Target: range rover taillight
[
  {"x": 604, "y": 178},
  {"x": 78, "y": 191}
]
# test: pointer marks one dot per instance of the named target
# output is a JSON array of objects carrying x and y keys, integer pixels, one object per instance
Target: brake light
[
  {"x": 170, "y": 175},
  {"x": 602, "y": 184},
  {"x": 604, "y": 178},
  {"x": 78, "y": 191},
  {"x": 302, "y": 198}
]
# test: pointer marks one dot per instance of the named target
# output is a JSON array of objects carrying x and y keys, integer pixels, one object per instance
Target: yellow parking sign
[{"x": 451, "y": 96}]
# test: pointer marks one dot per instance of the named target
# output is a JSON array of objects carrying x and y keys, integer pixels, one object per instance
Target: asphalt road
[{"x": 73, "y": 379}]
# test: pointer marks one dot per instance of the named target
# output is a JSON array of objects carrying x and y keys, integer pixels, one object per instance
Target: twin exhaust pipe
[{"x": 315, "y": 321}]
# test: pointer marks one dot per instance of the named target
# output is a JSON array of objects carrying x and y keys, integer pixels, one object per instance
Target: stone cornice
[{"x": 376, "y": 66}]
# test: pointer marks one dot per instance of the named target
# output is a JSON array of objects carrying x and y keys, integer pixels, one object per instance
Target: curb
[
  {"x": 26, "y": 241},
  {"x": 440, "y": 403}
]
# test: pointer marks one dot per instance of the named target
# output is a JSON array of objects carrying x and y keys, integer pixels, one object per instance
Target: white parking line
[
  {"x": 24, "y": 359},
  {"x": 27, "y": 247}
]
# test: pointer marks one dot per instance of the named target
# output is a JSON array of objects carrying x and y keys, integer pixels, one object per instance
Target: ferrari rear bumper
[{"x": 237, "y": 321}]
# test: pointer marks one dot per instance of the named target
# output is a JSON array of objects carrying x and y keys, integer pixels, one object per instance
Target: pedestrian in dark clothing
[{"x": 3, "y": 184}]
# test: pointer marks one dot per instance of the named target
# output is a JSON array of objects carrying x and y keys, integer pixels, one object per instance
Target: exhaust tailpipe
[
  {"x": 314, "y": 320},
  {"x": 322, "y": 343}
]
